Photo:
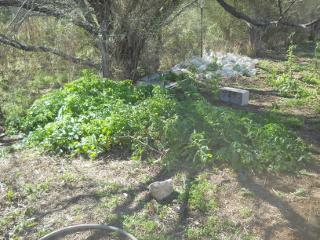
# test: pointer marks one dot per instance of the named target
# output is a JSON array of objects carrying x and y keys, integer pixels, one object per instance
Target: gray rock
[{"x": 161, "y": 190}]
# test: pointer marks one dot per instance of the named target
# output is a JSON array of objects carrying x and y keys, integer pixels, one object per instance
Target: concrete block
[{"x": 234, "y": 95}]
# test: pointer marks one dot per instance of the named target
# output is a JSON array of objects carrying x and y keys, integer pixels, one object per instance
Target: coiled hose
[{"x": 86, "y": 227}]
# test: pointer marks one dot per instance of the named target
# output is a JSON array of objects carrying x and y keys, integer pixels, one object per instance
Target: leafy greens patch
[{"x": 93, "y": 115}]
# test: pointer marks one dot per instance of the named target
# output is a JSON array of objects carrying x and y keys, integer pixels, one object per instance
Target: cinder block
[{"x": 234, "y": 95}]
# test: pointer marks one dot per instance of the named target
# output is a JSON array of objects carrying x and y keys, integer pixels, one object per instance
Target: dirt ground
[{"x": 282, "y": 206}]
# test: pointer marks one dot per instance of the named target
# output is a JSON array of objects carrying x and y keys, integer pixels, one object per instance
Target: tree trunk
[
  {"x": 255, "y": 34},
  {"x": 255, "y": 39},
  {"x": 128, "y": 55}
]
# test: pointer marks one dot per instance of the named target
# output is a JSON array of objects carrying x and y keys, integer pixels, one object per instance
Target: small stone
[{"x": 161, "y": 190}]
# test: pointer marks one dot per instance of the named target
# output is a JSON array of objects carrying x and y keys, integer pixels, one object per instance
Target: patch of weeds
[
  {"x": 195, "y": 232},
  {"x": 43, "y": 186},
  {"x": 288, "y": 85},
  {"x": 245, "y": 192},
  {"x": 17, "y": 174},
  {"x": 294, "y": 122},
  {"x": 111, "y": 201},
  {"x": 50, "y": 179},
  {"x": 314, "y": 120},
  {"x": 18, "y": 222},
  {"x": 172, "y": 77},
  {"x": 213, "y": 66},
  {"x": 210, "y": 86},
  {"x": 76, "y": 209},
  {"x": 246, "y": 212},
  {"x": 68, "y": 177},
  {"x": 32, "y": 196},
  {"x": 140, "y": 226},
  {"x": 9, "y": 195},
  {"x": 192, "y": 68},
  {"x": 112, "y": 218},
  {"x": 109, "y": 189},
  {"x": 201, "y": 195},
  {"x": 305, "y": 172},
  {"x": 111, "y": 195},
  {"x": 130, "y": 191},
  {"x": 84, "y": 179},
  {"x": 316, "y": 56},
  {"x": 308, "y": 101},
  {"x": 147, "y": 179},
  {"x": 275, "y": 116},
  {"x": 183, "y": 190},
  {"x": 163, "y": 211},
  {"x": 44, "y": 231},
  {"x": 298, "y": 192},
  {"x": 28, "y": 188},
  {"x": 5, "y": 151},
  {"x": 212, "y": 227},
  {"x": 43, "y": 80},
  {"x": 275, "y": 106},
  {"x": 266, "y": 67},
  {"x": 311, "y": 79},
  {"x": 89, "y": 116}
]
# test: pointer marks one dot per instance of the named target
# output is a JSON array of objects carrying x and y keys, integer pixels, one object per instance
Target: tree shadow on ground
[{"x": 304, "y": 229}]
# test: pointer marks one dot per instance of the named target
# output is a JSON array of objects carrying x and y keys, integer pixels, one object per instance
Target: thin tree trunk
[{"x": 104, "y": 49}]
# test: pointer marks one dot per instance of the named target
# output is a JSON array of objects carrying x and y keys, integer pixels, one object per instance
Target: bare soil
[{"x": 282, "y": 206}]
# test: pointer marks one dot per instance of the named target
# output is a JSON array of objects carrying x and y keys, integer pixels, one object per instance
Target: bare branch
[
  {"x": 50, "y": 12},
  {"x": 86, "y": 11},
  {"x": 179, "y": 12},
  {"x": 233, "y": 11},
  {"x": 14, "y": 18},
  {"x": 285, "y": 11},
  {"x": 9, "y": 41}
]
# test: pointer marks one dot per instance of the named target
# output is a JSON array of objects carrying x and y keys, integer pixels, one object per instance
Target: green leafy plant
[
  {"x": 90, "y": 116},
  {"x": 287, "y": 84},
  {"x": 213, "y": 66},
  {"x": 316, "y": 56},
  {"x": 172, "y": 77},
  {"x": 200, "y": 195},
  {"x": 192, "y": 68},
  {"x": 68, "y": 177}
]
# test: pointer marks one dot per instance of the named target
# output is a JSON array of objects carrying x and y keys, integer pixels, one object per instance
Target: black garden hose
[{"x": 71, "y": 229}]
